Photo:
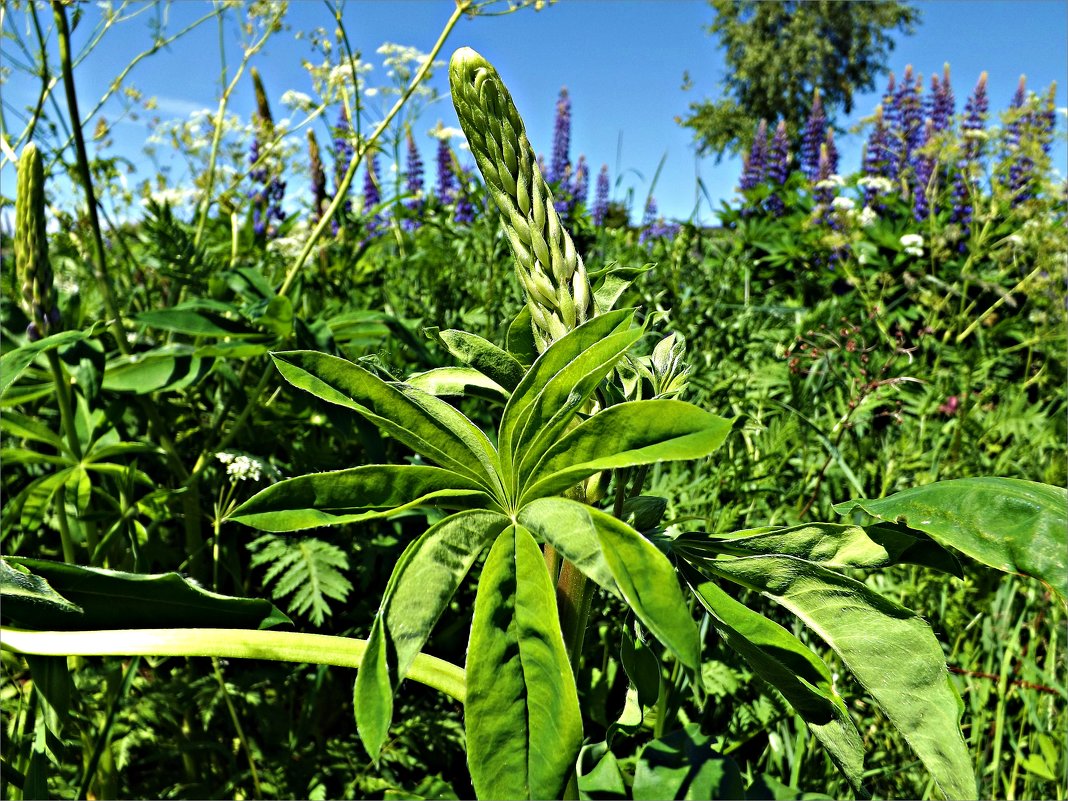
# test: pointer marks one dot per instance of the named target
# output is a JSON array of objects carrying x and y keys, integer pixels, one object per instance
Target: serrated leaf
[
  {"x": 889, "y": 649},
  {"x": 628, "y": 434},
  {"x": 419, "y": 590},
  {"x": 523, "y": 723},
  {"x": 308, "y": 569},
  {"x": 359, "y": 493},
  {"x": 1009, "y": 524}
]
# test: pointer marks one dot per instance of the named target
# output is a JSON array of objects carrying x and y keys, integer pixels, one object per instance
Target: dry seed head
[
  {"x": 32, "y": 266},
  {"x": 547, "y": 263}
]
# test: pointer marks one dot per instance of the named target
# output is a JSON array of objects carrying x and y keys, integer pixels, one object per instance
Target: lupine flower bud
[
  {"x": 32, "y": 266},
  {"x": 813, "y": 137},
  {"x": 547, "y": 263},
  {"x": 600, "y": 197}
]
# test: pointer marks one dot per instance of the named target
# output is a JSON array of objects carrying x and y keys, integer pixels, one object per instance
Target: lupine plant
[{"x": 548, "y": 505}]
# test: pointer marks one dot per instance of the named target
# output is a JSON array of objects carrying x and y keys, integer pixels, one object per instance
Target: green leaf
[
  {"x": 427, "y": 425},
  {"x": 496, "y": 364},
  {"x": 457, "y": 381},
  {"x": 198, "y": 318},
  {"x": 520, "y": 337},
  {"x": 642, "y": 574},
  {"x": 628, "y": 434},
  {"x": 347, "y": 496},
  {"x": 19, "y": 425},
  {"x": 419, "y": 590},
  {"x": 163, "y": 369},
  {"x": 524, "y": 727},
  {"x": 826, "y": 544},
  {"x": 784, "y": 662},
  {"x": 109, "y": 599},
  {"x": 556, "y": 358},
  {"x": 23, "y": 592},
  {"x": 14, "y": 362},
  {"x": 560, "y": 398},
  {"x": 1012, "y": 525},
  {"x": 892, "y": 652},
  {"x": 684, "y": 765},
  {"x": 599, "y": 775}
]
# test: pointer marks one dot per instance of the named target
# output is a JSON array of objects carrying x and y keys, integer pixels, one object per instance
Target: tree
[{"x": 780, "y": 52}]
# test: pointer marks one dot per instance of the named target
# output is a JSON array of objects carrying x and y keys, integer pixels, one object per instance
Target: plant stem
[
  {"x": 280, "y": 646},
  {"x": 257, "y": 790},
  {"x": 63, "y": 35}
]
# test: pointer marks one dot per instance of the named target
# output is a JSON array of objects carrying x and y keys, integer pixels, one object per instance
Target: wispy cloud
[{"x": 176, "y": 106}]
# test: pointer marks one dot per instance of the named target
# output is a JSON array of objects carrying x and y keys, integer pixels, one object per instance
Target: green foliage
[
  {"x": 309, "y": 570},
  {"x": 778, "y": 53}
]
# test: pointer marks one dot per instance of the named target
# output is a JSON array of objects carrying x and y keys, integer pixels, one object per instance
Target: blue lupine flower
[
  {"x": 813, "y": 137},
  {"x": 600, "y": 197},
  {"x": 756, "y": 163},
  {"x": 414, "y": 185},
  {"x": 464, "y": 212},
  {"x": 832, "y": 152},
  {"x": 972, "y": 134},
  {"x": 372, "y": 196},
  {"x": 318, "y": 178},
  {"x": 944, "y": 104},
  {"x": 778, "y": 168},
  {"x": 654, "y": 227},
  {"x": 561, "y": 160},
  {"x": 268, "y": 189},
  {"x": 446, "y": 176},
  {"x": 343, "y": 152},
  {"x": 909, "y": 104},
  {"x": 923, "y": 170},
  {"x": 580, "y": 188},
  {"x": 876, "y": 160}
]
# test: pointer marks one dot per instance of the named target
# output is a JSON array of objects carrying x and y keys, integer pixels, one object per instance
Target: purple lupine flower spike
[
  {"x": 343, "y": 152},
  {"x": 910, "y": 105},
  {"x": 414, "y": 184},
  {"x": 318, "y": 178},
  {"x": 372, "y": 196},
  {"x": 832, "y": 152},
  {"x": 580, "y": 188},
  {"x": 464, "y": 212},
  {"x": 561, "y": 159},
  {"x": 778, "y": 168},
  {"x": 269, "y": 189},
  {"x": 972, "y": 131},
  {"x": 876, "y": 159},
  {"x": 446, "y": 175},
  {"x": 755, "y": 165},
  {"x": 944, "y": 103},
  {"x": 600, "y": 197},
  {"x": 924, "y": 164},
  {"x": 813, "y": 137}
]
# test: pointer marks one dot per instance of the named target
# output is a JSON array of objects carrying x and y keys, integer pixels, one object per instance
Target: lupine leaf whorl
[
  {"x": 33, "y": 269},
  {"x": 548, "y": 266}
]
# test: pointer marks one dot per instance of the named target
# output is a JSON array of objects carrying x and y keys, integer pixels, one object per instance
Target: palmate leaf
[
  {"x": 1009, "y": 524},
  {"x": 419, "y": 590},
  {"x": 782, "y": 660},
  {"x": 427, "y": 425},
  {"x": 359, "y": 493},
  {"x": 524, "y": 727},
  {"x": 889, "y": 649},
  {"x": 307, "y": 569}
]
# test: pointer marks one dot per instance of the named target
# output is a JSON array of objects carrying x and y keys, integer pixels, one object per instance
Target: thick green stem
[{"x": 280, "y": 646}]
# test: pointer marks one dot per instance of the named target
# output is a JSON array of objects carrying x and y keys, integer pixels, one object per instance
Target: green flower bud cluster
[
  {"x": 547, "y": 264},
  {"x": 32, "y": 266}
]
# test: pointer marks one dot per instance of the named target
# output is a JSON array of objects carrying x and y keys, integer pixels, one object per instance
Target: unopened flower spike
[
  {"x": 32, "y": 265},
  {"x": 547, "y": 264}
]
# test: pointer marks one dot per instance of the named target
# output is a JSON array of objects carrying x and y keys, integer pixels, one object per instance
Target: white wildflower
[
  {"x": 867, "y": 217},
  {"x": 447, "y": 133},
  {"x": 842, "y": 204},
  {"x": 1015, "y": 240},
  {"x": 297, "y": 100},
  {"x": 241, "y": 467},
  {"x": 876, "y": 182},
  {"x": 913, "y": 244}
]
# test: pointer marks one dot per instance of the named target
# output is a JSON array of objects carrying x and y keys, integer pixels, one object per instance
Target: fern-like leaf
[{"x": 307, "y": 569}]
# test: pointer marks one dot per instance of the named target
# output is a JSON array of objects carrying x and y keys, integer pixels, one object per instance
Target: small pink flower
[{"x": 950, "y": 406}]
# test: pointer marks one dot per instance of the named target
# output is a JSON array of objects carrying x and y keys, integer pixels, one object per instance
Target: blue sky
[{"x": 621, "y": 60}]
